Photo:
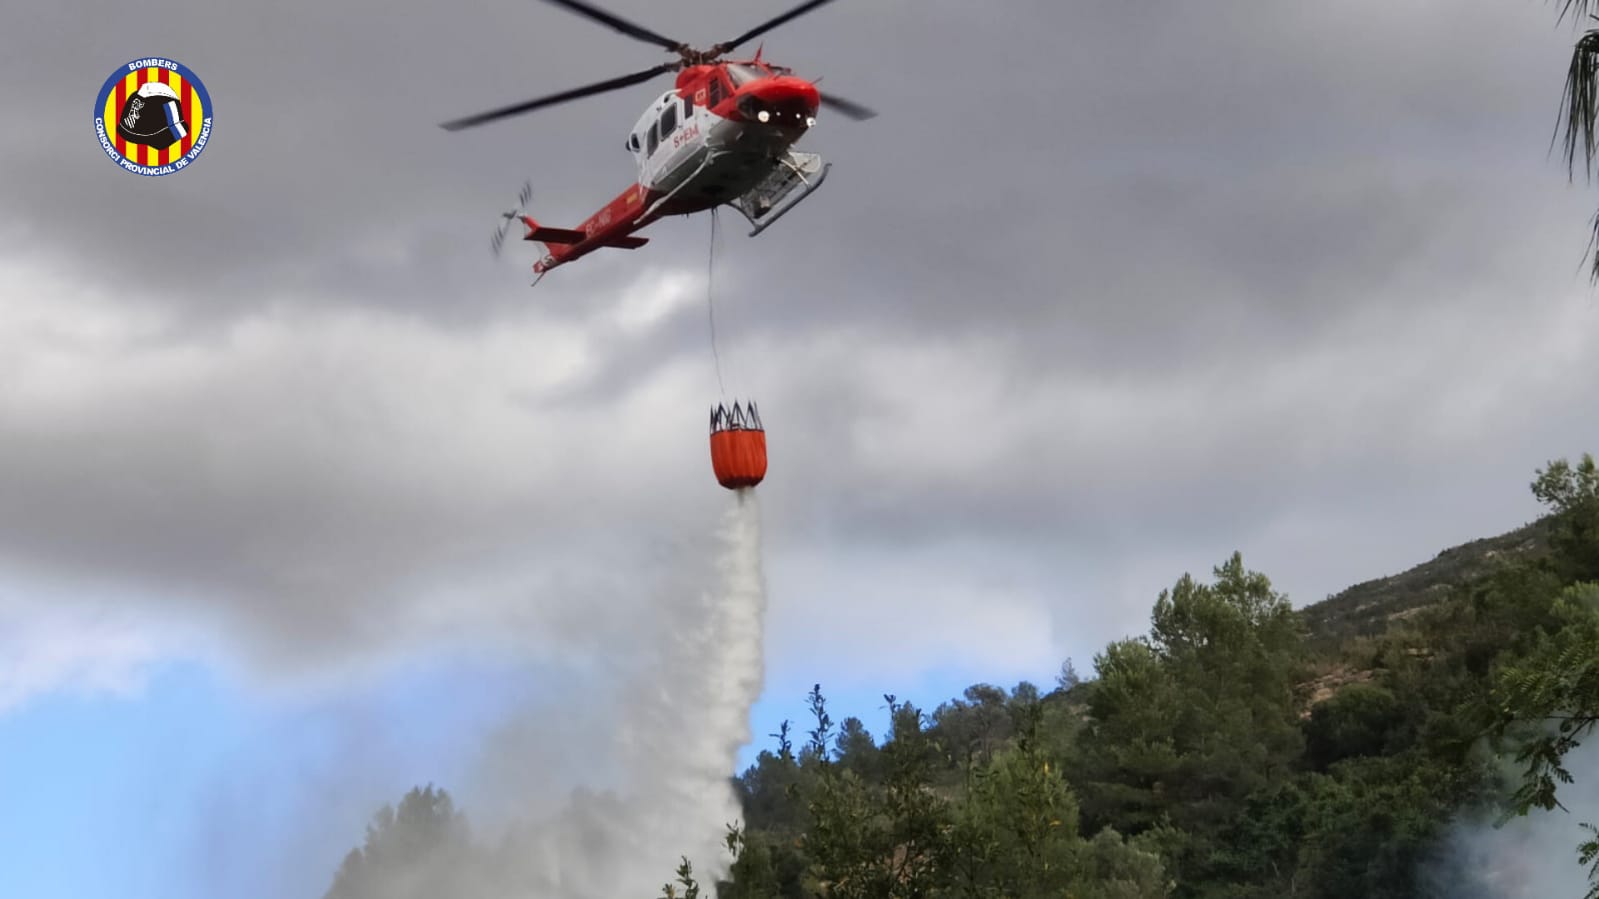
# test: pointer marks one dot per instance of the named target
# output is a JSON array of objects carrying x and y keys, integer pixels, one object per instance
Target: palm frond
[
  {"x": 1573, "y": 8},
  {"x": 1588, "y": 255},
  {"x": 1580, "y": 104}
]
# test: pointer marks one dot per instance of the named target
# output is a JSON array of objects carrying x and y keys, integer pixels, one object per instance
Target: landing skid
[{"x": 794, "y": 178}]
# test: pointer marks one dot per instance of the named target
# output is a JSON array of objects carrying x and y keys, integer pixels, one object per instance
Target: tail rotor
[{"x": 509, "y": 219}]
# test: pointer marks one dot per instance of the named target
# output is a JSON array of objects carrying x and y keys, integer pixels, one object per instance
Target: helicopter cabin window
[
  {"x": 669, "y": 118},
  {"x": 653, "y": 141}
]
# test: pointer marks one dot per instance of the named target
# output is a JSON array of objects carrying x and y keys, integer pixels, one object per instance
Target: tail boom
[{"x": 612, "y": 226}]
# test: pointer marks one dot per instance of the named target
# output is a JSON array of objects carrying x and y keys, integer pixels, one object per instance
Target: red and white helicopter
[{"x": 723, "y": 135}]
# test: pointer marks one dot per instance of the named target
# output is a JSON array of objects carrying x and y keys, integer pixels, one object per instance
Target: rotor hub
[{"x": 695, "y": 57}]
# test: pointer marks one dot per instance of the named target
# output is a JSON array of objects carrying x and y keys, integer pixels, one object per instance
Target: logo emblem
[{"x": 153, "y": 116}]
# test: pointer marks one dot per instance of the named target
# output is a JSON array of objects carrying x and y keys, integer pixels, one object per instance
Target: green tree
[
  {"x": 1111, "y": 867},
  {"x": 765, "y": 866},
  {"x": 1185, "y": 725},
  {"x": 1024, "y": 694},
  {"x": 419, "y": 850},
  {"x": 1553, "y": 692},
  {"x": 1015, "y": 835},
  {"x": 876, "y": 841},
  {"x": 1128, "y": 751},
  {"x": 1572, "y": 493},
  {"x": 768, "y": 792},
  {"x": 856, "y": 750},
  {"x": 1191, "y": 755},
  {"x": 973, "y": 728},
  {"x": 1549, "y": 697},
  {"x": 686, "y": 880},
  {"x": 1361, "y": 719},
  {"x": 1068, "y": 679},
  {"x": 1367, "y": 828}
]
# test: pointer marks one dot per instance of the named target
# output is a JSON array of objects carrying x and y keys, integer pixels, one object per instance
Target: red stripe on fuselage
[{"x": 618, "y": 218}]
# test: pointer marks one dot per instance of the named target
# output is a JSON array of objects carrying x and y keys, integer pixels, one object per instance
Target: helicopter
[{"x": 723, "y": 135}]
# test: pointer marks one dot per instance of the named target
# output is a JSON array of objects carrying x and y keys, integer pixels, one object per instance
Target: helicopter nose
[
  {"x": 781, "y": 100},
  {"x": 787, "y": 90}
]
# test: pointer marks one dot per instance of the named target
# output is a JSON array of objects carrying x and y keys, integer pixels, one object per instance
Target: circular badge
[{"x": 153, "y": 116}]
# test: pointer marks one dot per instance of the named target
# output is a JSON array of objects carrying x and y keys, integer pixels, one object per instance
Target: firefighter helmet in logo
[{"x": 153, "y": 116}]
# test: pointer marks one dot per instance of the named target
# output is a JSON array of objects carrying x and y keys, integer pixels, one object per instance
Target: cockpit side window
[
  {"x": 654, "y": 140},
  {"x": 669, "y": 118}
]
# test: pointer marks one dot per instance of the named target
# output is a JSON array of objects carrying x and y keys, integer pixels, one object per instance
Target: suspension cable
[{"x": 710, "y": 305}]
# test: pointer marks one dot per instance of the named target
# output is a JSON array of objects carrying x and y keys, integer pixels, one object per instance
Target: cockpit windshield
[{"x": 743, "y": 73}]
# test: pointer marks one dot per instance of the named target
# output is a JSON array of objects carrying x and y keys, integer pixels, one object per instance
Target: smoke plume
[{"x": 1531, "y": 857}]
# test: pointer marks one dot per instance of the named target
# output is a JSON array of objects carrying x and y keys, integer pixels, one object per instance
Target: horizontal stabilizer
[
  {"x": 555, "y": 235},
  {"x": 626, "y": 243}
]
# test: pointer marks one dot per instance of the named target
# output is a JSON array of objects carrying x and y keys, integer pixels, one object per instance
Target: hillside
[
  {"x": 1198, "y": 761},
  {"x": 1241, "y": 749},
  {"x": 1367, "y": 608}
]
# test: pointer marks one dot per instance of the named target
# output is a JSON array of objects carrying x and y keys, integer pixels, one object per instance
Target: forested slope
[
  {"x": 1370, "y": 607},
  {"x": 1239, "y": 748}
]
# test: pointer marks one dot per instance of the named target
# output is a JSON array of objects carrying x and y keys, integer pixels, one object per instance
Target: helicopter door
[
  {"x": 685, "y": 141},
  {"x": 671, "y": 145},
  {"x": 654, "y": 153}
]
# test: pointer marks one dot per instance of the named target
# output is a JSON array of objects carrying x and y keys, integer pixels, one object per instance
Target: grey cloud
[
  {"x": 1143, "y": 224},
  {"x": 1104, "y": 294},
  {"x": 997, "y": 132}
]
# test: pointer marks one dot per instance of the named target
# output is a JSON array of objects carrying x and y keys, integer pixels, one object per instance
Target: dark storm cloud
[
  {"x": 1054, "y": 143},
  {"x": 1105, "y": 287}
]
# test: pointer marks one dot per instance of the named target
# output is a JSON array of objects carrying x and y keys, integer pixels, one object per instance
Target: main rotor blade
[
  {"x": 761, "y": 29},
  {"x": 848, "y": 107},
  {"x": 620, "y": 24},
  {"x": 552, "y": 99}
]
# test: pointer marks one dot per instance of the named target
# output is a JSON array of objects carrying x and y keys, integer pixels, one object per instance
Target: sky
[{"x": 307, "y": 500}]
